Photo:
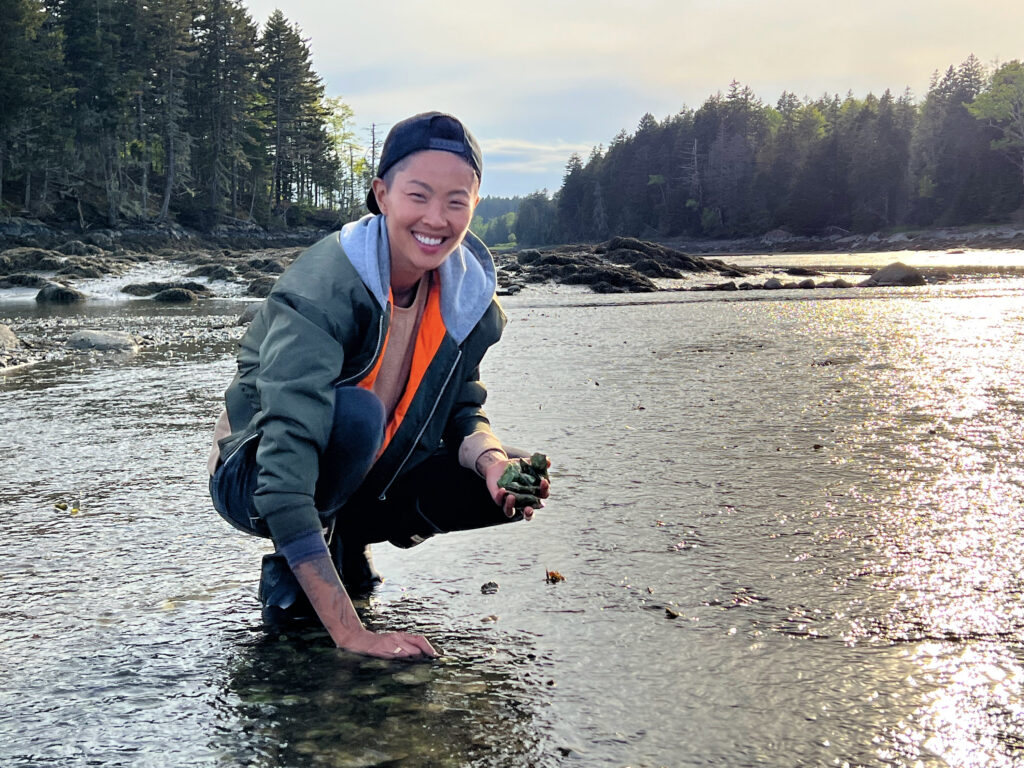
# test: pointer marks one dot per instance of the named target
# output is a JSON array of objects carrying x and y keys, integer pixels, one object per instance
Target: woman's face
[{"x": 428, "y": 207}]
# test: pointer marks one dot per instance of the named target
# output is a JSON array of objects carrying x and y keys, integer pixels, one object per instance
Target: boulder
[
  {"x": 80, "y": 270},
  {"x": 212, "y": 271},
  {"x": 806, "y": 284},
  {"x": 21, "y": 280},
  {"x": 772, "y": 284},
  {"x": 148, "y": 289},
  {"x": 103, "y": 341},
  {"x": 267, "y": 266},
  {"x": 54, "y": 293},
  {"x": 528, "y": 256},
  {"x": 35, "y": 259},
  {"x": 7, "y": 338},
  {"x": 175, "y": 296},
  {"x": 896, "y": 273},
  {"x": 837, "y": 283},
  {"x": 260, "y": 287},
  {"x": 78, "y": 248}
]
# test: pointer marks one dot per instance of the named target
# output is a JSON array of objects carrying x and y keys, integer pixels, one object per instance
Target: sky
[{"x": 536, "y": 80}]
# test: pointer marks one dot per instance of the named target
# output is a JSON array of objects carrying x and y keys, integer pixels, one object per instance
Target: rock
[
  {"x": 837, "y": 283},
  {"x": 212, "y": 271},
  {"x": 21, "y": 280},
  {"x": 489, "y": 588},
  {"x": 54, "y": 293},
  {"x": 33, "y": 259},
  {"x": 7, "y": 338},
  {"x": 260, "y": 287},
  {"x": 175, "y": 296},
  {"x": 101, "y": 239},
  {"x": 802, "y": 272},
  {"x": 148, "y": 289},
  {"x": 249, "y": 313},
  {"x": 80, "y": 270},
  {"x": 78, "y": 248},
  {"x": 103, "y": 341},
  {"x": 805, "y": 284},
  {"x": 267, "y": 266},
  {"x": 653, "y": 268},
  {"x": 528, "y": 256},
  {"x": 729, "y": 286},
  {"x": 772, "y": 284},
  {"x": 894, "y": 274}
]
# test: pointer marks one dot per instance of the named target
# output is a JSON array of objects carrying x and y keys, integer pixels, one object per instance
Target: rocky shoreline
[{"x": 54, "y": 264}]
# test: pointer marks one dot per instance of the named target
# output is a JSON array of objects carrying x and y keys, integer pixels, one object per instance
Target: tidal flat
[{"x": 788, "y": 525}]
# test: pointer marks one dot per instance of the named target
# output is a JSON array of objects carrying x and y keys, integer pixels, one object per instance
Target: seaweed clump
[{"x": 522, "y": 478}]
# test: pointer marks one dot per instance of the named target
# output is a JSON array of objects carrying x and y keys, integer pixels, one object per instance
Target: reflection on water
[{"x": 790, "y": 528}]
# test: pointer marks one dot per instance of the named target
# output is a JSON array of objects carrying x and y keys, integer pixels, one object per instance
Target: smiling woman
[{"x": 357, "y": 414}]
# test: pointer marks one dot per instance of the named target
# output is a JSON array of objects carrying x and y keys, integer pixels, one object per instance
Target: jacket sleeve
[
  {"x": 299, "y": 361},
  {"x": 467, "y": 414}
]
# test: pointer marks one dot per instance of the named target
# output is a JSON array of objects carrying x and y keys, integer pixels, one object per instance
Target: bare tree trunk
[{"x": 170, "y": 127}]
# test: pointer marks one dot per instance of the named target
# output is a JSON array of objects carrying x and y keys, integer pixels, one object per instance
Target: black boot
[
  {"x": 285, "y": 605},
  {"x": 355, "y": 565}
]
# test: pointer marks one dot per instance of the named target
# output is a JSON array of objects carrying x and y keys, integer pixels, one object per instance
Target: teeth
[{"x": 427, "y": 240}]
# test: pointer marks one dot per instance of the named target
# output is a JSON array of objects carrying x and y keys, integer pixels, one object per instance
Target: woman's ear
[{"x": 380, "y": 191}]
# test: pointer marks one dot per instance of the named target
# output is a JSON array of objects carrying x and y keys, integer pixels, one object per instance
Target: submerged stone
[{"x": 103, "y": 341}]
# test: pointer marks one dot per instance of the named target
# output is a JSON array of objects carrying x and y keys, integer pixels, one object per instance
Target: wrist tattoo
[{"x": 489, "y": 457}]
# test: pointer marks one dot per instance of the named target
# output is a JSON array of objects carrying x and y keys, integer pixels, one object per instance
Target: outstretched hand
[
  {"x": 505, "y": 499},
  {"x": 390, "y": 645}
]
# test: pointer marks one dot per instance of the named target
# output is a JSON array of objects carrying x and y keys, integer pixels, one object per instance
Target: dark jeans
[{"x": 436, "y": 496}]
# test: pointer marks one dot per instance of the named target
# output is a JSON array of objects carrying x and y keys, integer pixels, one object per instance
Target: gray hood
[{"x": 468, "y": 278}]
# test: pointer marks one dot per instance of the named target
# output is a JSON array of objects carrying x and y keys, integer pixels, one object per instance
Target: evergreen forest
[
  {"x": 117, "y": 112},
  {"x": 738, "y": 167}
]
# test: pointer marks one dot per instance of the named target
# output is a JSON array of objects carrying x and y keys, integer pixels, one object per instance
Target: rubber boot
[
  {"x": 285, "y": 605},
  {"x": 355, "y": 565}
]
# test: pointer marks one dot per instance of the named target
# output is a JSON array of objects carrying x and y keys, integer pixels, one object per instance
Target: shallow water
[{"x": 826, "y": 489}]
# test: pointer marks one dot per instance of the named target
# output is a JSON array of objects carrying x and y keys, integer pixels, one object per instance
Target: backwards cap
[{"x": 428, "y": 130}]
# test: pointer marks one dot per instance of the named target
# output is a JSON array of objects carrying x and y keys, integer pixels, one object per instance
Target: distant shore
[{"x": 151, "y": 238}]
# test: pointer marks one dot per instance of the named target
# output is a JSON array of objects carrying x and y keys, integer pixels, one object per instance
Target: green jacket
[{"x": 324, "y": 324}]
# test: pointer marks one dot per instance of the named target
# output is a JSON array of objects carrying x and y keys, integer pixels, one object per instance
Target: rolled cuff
[
  {"x": 475, "y": 445},
  {"x": 307, "y": 547},
  {"x": 289, "y": 516}
]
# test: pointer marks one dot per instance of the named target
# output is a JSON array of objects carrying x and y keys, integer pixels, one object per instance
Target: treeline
[
  {"x": 123, "y": 110},
  {"x": 738, "y": 167}
]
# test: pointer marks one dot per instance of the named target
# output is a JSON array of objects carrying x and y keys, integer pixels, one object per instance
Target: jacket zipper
[
  {"x": 426, "y": 422},
  {"x": 357, "y": 377},
  {"x": 373, "y": 360}
]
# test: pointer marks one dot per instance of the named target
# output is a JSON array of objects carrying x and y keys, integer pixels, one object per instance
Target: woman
[{"x": 356, "y": 412}]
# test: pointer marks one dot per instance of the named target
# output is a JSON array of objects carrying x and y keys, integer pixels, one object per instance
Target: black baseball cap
[{"x": 427, "y": 130}]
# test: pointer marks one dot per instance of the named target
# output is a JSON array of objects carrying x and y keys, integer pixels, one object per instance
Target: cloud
[
  {"x": 520, "y": 156},
  {"x": 565, "y": 75}
]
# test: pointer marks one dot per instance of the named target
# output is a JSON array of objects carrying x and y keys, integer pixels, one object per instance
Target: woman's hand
[
  {"x": 389, "y": 645},
  {"x": 493, "y": 464}
]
